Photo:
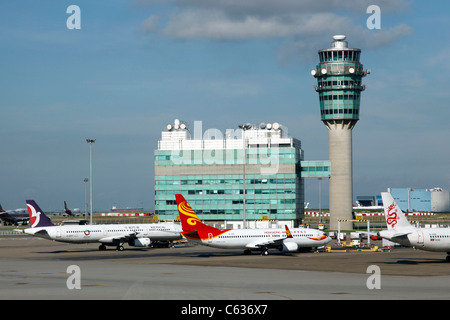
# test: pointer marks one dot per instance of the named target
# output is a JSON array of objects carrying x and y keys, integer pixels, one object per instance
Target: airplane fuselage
[
  {"x": 428, "y": 239},
  {"x": 257, "y": 238},
  {"x": 105, "y": 233}
]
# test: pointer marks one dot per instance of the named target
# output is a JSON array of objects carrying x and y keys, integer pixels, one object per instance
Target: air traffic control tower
[{"x": 339, "y": 84}]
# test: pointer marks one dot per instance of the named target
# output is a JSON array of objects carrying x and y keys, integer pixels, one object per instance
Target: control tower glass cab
[
  {"x": 339, "y": 84},
  {"x": 339, "y": 81}
]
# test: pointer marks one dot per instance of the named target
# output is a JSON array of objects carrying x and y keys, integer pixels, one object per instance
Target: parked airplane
[
  {"x": 138, "y": 235},
  {"x": 359, "y": 206},
  {"x": 13, "y": 217},
  {"x": 248, "y": 239},
  {"x": 402, "y": 232},
  {"x": 68, "y": 211}
]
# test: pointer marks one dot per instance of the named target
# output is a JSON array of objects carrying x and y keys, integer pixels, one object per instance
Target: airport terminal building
[
  {"x": 208, "y": 168},
  {"x": 411, "y": 199}
]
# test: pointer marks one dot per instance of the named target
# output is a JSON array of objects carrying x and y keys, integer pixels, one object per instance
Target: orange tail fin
[
  {"x": 191, "y": 224},
  {"x": 288, "y": 232},
  {"x": 189, "y": 220}
]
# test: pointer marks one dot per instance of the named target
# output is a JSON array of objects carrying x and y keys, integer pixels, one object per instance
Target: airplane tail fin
[
  {"x": 288, "y": 232},
  {"x": 395, "y": 218},
  {"x": 67, "y": 210},
  {"x": 1, "y": 209},
  {"x": 37, "y": 216},
  {"x": 189, "y": 220},
  {"x": 193, "y": 228}
]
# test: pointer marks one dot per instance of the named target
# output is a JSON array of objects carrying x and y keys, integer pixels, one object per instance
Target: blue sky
[{"x": 136, "y": 65}]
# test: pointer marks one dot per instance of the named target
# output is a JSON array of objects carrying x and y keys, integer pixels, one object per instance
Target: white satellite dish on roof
[{"x": 276, "y": 126}]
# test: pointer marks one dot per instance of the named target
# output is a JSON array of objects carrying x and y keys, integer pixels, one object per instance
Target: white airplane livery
[
  {"x": 261, "y": 240},
  {"x": 137, "y": 235},
  {"x": 402, "y": 232}
]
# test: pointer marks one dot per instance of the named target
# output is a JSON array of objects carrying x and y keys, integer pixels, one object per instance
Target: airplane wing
[
  {"x": 124, "y": 237},
  {"x": 265, "y": 243},
  {"x": 268, "y": 243}
]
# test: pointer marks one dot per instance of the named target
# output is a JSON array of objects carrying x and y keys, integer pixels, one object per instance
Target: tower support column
[{"x": 341, "y": 186}]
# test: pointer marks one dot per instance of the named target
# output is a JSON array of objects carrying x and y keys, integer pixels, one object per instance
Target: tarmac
[{"x": 32, "y": 268}]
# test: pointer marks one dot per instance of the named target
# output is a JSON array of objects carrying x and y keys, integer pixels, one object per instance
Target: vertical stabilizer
[
  {"x": 37, "y": 216},
  {"x": 67, "y": 210},
  {"x": 395, "y": 218},
  {"x": 191, "y": 224}
]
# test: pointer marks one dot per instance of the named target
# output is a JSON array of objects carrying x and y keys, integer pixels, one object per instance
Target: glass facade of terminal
[
  {"x": 273, "y": 196},
  {"x": 211, "y": 175}
]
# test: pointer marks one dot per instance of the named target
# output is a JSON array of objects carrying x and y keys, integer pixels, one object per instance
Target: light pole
[
  {"x": 244, "y": 127},
  {"x": 85, "y": 197},
  {"x": 320, "y": 199},
  {"x": 90, "y": 141}
]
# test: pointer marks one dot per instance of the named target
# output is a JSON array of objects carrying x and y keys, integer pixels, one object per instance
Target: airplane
[
  {"x": 137, "y": 235},
  {"x": 399, "y": 230},
  {"x": 359, "y": 206},
  {"x": 68, "y": 211},
  {"x": 261, "y": 240},
  {"x": 13, "y": 217}
]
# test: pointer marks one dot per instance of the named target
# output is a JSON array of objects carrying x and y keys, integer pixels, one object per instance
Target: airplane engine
[
  {"x": 140, "y": 242},
  {"x": 289, "y": 247}
]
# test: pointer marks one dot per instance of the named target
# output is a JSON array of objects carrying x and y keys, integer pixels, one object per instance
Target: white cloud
[
  {"x": 302, "y": 24},
  {"x": 215, "y": 24},
  {"x": 150, "y": 24}
]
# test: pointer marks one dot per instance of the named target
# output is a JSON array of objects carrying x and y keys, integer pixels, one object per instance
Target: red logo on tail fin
[{"x": 392, "y": 215}]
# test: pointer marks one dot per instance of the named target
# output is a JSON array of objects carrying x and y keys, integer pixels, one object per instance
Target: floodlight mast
[
  {"x": 90, "y": 141},
  {"x": 244, "y": 127}
]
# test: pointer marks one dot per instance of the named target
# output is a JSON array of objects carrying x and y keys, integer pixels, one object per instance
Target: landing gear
[
  {"x": 120, "y": 247},
  {"x": 247, "y": 252},
  {"x": 448, "y": 257},
  {"x": 102, "y": 247},
  {"x": 264, "y": 252}
]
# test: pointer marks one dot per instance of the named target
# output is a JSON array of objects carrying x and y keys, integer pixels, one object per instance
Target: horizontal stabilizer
[
  {"x": 401, "y": 234},
  {"x": 191, "y": 235}
]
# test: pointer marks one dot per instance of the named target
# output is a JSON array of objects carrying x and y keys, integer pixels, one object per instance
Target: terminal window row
[
  {"x": 229, "y": 211},
  {"x": 224, "y": 181},
  {"x": 214, "y": 153},
  {"x": 229, "y": 192},
  {"x": 221, "y": 202}
]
